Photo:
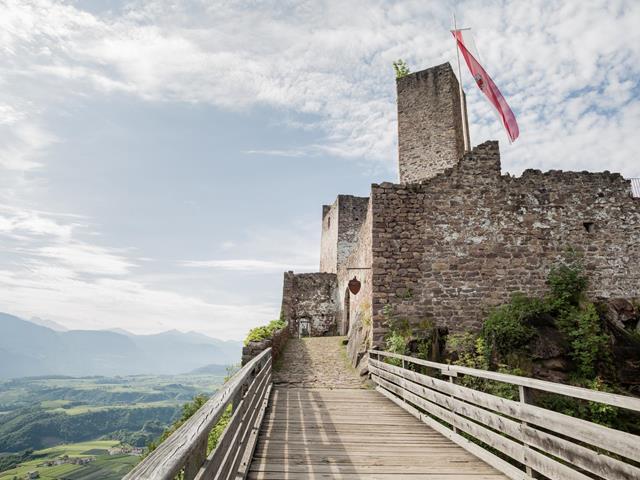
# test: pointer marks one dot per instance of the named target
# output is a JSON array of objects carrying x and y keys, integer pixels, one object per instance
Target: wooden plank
[
  {"x": 496, "y": 462},
  {"x": 227, "y": 468},
  {"x": 372, "y": 458},
  {"x": 622, "y": 401},
  {"x": 221, "y": 456},
  {"x": 495, "y": 440},
  {"x": 575, "y": 454},
  {"x": 336, "y": 469},
  {"x": 246, "y": 428},
  {"x": 546, "y": 465},
  {"x": 243, "y": 470},
  {"x": 585, "y": 458},
  {"x": 166, "y": 461},
  {"x": 374, "y": 440},
  {"x": 195, "y": 460},
  {"x": 261, "y": 475},
  {"x": 228, "y": 440},
  {"x": 493, "y": 420},
  {"x": 622, "y": 443}
]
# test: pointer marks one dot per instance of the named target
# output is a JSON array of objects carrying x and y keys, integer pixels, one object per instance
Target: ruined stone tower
[
  {"x": 341, "y": 223},
  {"x": 430, "y": 131}
]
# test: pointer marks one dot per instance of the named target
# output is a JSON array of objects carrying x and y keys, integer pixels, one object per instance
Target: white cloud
[
  {"x": 555, "y": 61},
  {"x": 23, "y": 144},
  {"x": 17, "y": 222},
  {"x": 280, "y": 153},
  {"x": 569, "y": 69},
  {"x": 250, "y": 265},
  {"x": 50, "y": 271}
]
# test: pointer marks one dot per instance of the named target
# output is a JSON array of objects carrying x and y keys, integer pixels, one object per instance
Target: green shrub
[
  {"x": 593, "y": 411},
  {"x": 471, "y": 351},
  {"x": 398, "y": 334},
  {"x": 589, "y": 342},
  {"x": 506, "y": 330},
  {"x": 405, "y": 338},
  {"x": 266, "y": 331},
  {"x": 577, "y": 317},
  {"x": 395, "y": 343},
  {"x": 217, "y": 431},
  {"x": 567, "y": 282},
  {"x": 401, "y": 68},
  {"x": 188, "y": 409}
]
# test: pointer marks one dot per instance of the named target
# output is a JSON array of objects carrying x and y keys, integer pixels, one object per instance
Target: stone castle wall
[
  {"x": 356, "y": 314},
  {"x": 329, "y": 239},
  {"x": 353, "y": 211},
  {"x": 452, "y": 247},
  {"x": 430, "y": 133},
  {"x": 309, "y": 298},
  {"x": 277, "y": 343},
  {"x": 341, "y": 224}
]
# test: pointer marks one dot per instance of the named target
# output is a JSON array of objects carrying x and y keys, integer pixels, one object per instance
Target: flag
[{"x": 488, "y": 87}]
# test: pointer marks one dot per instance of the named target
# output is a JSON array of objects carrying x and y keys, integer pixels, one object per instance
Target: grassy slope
[{"x": 104, "y": 468}]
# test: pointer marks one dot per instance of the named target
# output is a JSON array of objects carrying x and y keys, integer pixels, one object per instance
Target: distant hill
[
  {"x": 28, "y": 349},
  {"x": 44, "y": 322},
  {"x": 210, "y": 370}
]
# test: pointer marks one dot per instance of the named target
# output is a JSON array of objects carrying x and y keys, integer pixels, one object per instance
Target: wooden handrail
[
  {"x": 630, "y": 403},
  {"x": 558, "y": 446},
  {"x": 185, "y": 450}
]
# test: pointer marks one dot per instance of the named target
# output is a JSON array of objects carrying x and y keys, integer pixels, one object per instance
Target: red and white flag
[{"x": 487, "y": 86}]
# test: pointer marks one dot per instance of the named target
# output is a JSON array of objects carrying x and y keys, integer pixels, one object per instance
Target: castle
[{"x": 455, "y": 236}]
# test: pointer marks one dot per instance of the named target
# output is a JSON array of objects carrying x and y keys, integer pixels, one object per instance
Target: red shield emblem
[{"x": 354, "y": 286}]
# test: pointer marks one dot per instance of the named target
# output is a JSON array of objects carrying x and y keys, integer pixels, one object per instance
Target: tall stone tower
[{"x": 430, "y": 131}]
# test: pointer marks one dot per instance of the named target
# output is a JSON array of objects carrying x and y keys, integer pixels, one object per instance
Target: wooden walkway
[
  {"x": 352, "y": 433},
  {"x": 413, "y": 426}
]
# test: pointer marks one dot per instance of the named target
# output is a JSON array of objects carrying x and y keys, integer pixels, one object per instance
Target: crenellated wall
[
  {"x": 456, "y": 237},
  {"x": 451, "y": 247}
]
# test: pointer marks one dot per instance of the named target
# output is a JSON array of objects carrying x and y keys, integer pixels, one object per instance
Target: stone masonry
[
  {"x": 308, "y": 304},
  {"x": 455, "y": 236},
  {"x": 430, "y": 134},
  {"x": 341, "y": 224},
  {"x": 277, "y": 344},
  {"x": 452, "y": 247}
]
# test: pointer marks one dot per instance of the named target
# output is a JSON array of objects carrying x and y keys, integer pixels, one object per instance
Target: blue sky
[{"x": 162, "y": 163}]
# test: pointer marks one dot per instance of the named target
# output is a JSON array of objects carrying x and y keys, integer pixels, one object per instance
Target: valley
[{"x": 44, "y": 418}]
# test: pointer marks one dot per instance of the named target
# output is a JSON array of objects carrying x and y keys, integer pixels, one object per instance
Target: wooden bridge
[{"x": 419, "y": 422}]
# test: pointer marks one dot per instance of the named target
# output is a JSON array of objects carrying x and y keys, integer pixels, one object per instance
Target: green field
[
  {"x": 105, "y": 467},
  {"x": 40, "y": 412},
  {"x": 78, "y": 410}
]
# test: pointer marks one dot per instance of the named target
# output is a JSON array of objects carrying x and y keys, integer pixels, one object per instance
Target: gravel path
[{"x": 318, "y": 362}]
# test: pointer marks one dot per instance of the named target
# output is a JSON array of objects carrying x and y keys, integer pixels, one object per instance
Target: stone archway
[{"x": 346, "y": 312}]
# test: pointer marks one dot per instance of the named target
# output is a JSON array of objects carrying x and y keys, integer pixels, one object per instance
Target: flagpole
[{"x": 463, "y": 102}]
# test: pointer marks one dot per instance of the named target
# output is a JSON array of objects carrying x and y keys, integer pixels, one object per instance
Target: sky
[{"x": 163, "y": 163}]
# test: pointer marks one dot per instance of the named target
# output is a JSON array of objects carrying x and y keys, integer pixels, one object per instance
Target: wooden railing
[
  {"x": 184, "y": 453},
  {"x": 535, "y": 439}
]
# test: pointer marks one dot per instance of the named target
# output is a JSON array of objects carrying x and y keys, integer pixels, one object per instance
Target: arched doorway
[{"x": 346, "y": 312}]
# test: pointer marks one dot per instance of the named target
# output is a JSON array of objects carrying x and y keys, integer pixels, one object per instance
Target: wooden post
[
  {"x": 403, "y": 389},
  {"x": 196, "y": 459},
  {"x": 455, "y": 429},
  {"x": 525, "y": 397}
]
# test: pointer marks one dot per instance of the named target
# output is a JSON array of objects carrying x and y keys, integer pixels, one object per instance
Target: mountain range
[{"x": 33, "y": 349}]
